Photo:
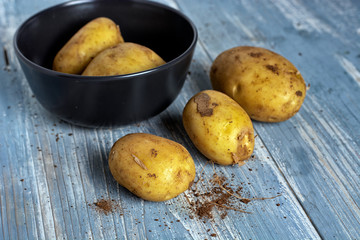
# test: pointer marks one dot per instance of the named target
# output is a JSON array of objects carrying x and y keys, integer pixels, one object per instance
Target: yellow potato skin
[
  {"x": 265, "y": 84},
  {"x": 95, "y": 36},
  {"x": 219, "y": 128},
  {"x": 122, "y": 59},
  {"x": 151, "y": 167}
]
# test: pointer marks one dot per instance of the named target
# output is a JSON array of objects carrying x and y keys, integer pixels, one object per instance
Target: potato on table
[
  {"x": 95, "y": 36},
  {"x": 151, "y": 167},
  {"x": 122, "y": 59},
  {"x": 219, "y": 128},
  {"x": 265, "y": 84}
]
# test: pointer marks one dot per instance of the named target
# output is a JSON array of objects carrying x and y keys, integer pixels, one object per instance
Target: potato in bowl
[{"x": 94, "y": 37}]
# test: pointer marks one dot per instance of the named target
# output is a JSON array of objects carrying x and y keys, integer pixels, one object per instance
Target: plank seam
[
  {"x": 290, "y": 187},
  {"x": 121, "y": 202},
  {"x": 104, "y": 173},
  {"x": 57, "y": 184},
  {"x": 82, "y": 184},
  {"x": 67, "y": 199},
  {"x": 38, "y": 196},
  {"x": 12, "y": 183},
  {"x": 2, "y": 225}
]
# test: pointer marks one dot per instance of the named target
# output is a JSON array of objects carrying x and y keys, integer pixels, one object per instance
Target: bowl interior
[{"x": 154, "y": 25}]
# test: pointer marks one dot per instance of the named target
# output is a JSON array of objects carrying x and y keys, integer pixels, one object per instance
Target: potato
[
  {"x": 124, "y": 58},
  {"x": 219, "y": 128},
  {"x": 95, "y": 36},
  {"x": 151, "y": 167},
  {"x": 265, "y": 84}
]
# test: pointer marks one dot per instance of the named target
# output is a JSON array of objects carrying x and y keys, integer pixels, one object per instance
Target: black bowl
[{"x": 108, "y": 100}]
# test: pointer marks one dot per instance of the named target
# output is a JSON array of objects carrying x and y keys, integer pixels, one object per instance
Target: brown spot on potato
[
  {"x": 179, "y": 176},
  {"x": 242, "y": 135},
  {"x": 273, "y": 119},
  {"x": 152, "y": 175},
  {"x": 298, "y": 93},
  {"x": 112, "y": 56},
  {"x": 237, "y": 156},
  {"x": 214, "y": 70},
  {"x": 238, "y": 58},
  {"x": 154, "y": 152},
  {"x": 255, "y": 54},
  {"x": 259, "y": 108},
  {"x": 203, "y": 104},
  {"x": 273, "y": 68},
  {"x": 242, "y": 150}
]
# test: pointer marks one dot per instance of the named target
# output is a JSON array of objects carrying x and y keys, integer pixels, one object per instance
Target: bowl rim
[{"x": 76, "y": 77}]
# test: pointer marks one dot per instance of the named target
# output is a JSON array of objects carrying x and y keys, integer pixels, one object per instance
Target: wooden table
[{"x": 55, "y": 180}]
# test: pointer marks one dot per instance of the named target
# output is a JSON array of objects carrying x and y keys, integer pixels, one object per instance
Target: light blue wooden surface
[{"x": 51, "y": 172}]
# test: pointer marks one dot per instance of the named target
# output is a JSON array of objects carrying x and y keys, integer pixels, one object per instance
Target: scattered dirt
[
  {"x": 207, "y": 199},
  {"x": 106, "y": 206},
  {"x": 219, "y": 196}
]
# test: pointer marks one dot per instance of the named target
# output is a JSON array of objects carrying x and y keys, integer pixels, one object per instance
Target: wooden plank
[
  {"x": 264, "y": 176},
  {"x": 47, "y": 139},
  {"x": 28, "y": 210},
  {"x": 54, "y": 173},
  {"x": 317, "y": 150}
]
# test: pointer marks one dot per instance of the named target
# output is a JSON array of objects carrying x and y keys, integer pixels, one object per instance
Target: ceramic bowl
[{"x": 108, "y": 100}]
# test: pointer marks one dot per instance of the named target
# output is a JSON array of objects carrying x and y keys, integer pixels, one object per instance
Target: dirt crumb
[
  {"x": 246, "y": 201},
  {"x": 105, "y": 206}
]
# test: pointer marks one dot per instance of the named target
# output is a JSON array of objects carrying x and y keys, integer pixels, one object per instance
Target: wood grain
[{"x": 53, "y": 173}]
